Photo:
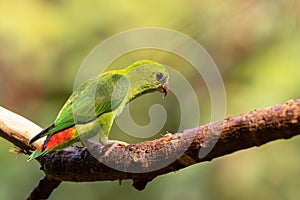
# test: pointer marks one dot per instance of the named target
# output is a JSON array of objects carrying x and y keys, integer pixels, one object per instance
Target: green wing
[{"x": 90, "y": 100}]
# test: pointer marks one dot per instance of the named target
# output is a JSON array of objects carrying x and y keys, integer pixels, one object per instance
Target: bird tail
[
  {"x": 41, "y": 134},
  {"x": 35, "y": 154}
]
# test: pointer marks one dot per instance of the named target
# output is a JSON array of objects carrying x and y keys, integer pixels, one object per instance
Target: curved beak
[{"x": 164, "y": 88}]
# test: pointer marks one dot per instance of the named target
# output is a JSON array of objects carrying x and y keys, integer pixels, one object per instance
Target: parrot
[{"x": 93, "y": 106}]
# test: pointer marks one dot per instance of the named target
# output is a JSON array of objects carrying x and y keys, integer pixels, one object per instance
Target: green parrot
[{"x": 93, "y": 106}]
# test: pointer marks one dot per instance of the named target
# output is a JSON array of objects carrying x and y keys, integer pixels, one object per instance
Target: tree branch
[
  {"x": 44, "y": 189},
  {"x": 144, "y": 161},
  {"x": 18, "y": 130}
]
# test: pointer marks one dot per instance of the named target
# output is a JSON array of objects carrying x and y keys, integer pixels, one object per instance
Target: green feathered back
[{"x": 91, "y": 99}]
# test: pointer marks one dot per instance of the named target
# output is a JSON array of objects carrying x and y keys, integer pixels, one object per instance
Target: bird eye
[{"x": 159, "y": 76}]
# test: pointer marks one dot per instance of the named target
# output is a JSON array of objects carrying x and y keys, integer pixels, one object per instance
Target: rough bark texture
[
  {"x": 144, "y": 161},
  {"x": 44, "y": 189}
]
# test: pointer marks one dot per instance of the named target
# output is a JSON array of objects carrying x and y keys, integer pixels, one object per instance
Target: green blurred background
[{"x": 255, "y": 45}]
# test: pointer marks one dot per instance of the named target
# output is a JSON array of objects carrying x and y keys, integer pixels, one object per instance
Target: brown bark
[{"x": 144, "y": 161}]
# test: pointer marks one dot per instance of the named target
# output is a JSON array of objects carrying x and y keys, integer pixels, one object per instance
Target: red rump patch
[
  {"x": 40, "y": 148},
  {"x": 59, "y": 138}
]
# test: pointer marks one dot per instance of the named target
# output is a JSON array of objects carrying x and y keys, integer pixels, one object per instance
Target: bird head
[{"x": 149, "y": 76}]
